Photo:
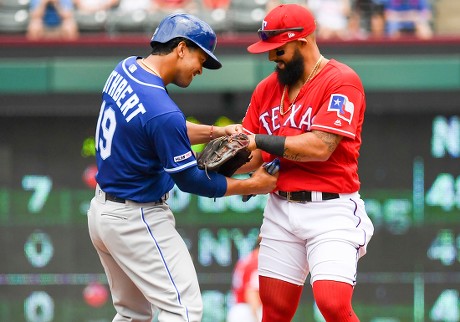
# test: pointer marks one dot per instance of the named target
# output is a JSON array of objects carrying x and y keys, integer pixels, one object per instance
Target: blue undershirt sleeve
[{"x": 194, "y": 180}]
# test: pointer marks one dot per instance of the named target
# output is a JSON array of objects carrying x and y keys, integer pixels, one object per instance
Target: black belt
[
  {"x": 110, "y": 197},
  {"x": 306, "y": 196}
]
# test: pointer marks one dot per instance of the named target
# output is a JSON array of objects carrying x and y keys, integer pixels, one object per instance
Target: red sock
[
  {"x": 279, "y": 299},
  {"x": 334, "y": 301}
]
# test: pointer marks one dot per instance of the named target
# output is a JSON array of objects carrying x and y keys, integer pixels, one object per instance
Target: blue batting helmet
[{"x": 189, "y": 27}]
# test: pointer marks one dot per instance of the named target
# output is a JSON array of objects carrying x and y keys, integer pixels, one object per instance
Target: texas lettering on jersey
[
  {"x": 303, "y": 117},
  {"x": 297, "y": 119}
]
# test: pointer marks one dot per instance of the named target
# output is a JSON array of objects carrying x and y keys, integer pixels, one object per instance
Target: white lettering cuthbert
[
  {"x": 129, "y": 104},
  {"x": 270, "y": 119}
]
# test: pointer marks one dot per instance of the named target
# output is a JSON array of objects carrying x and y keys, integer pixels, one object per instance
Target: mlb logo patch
[
  {"x": 342, "y": 106},
  {"x": 182, "y": 157},
  {"x": 132, "y": 68}
]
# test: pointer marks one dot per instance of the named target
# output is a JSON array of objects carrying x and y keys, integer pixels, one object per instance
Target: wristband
[
  {"x": 211, "y": 133},
  {"x": 272, "y": 144}
]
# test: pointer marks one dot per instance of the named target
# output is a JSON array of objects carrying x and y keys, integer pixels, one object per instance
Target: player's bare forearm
[
  {"x": 202, "y": 133},
  {"x": 256, "y": 162},
  {"x": 261, "y": 182},
  {"x": 311, "y": 146},
  {"x": 199, "y": 133}
]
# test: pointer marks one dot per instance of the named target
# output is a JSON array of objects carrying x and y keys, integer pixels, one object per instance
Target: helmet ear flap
[{"x": 191, "y": 28}]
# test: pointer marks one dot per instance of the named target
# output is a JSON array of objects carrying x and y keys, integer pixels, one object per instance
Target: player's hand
[
  {"x": 263, "y": 181},
  {"x": 233, "y": 129},
  {"x": 252, "y": 142},
  {"x": 272, "y": 168}
]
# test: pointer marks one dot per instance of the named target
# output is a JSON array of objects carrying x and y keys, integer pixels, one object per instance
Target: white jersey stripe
[
  {"x": 182, "y": 167},
  {"x": 334, "y": 129}
]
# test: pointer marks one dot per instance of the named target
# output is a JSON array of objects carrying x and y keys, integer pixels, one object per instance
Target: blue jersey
[{"x": 141, "y": 135}]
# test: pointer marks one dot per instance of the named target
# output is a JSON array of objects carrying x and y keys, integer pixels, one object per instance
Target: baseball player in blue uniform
[{"x": 143, "y": 148}]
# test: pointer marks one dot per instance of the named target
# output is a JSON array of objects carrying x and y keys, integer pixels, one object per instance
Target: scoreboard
[{"x": 410, "y": 174}]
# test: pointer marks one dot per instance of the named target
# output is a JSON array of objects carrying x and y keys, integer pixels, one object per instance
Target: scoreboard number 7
[{"x": 41, "y": 187}]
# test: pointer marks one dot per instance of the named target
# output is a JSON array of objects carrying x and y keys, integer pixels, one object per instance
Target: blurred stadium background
[{"x": 49, "y": 101}]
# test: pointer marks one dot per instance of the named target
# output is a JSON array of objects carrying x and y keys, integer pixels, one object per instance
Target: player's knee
[
  {"x": 333, "y": 299},
  {"x": 279, "y": 299},
  {"x": 330, "y": 305}
]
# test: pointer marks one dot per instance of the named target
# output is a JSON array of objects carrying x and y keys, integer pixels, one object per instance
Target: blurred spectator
[
  {"x": 132, "y": 6},
  {"x": 170, "y": 6},
  {"x": 331, "y": 17},
  {"x": 52, "y": 19},
  {"x": 273, "y": 3},
  {"x": 215, "y": 13},
  {"x": 377, "y": 19},
  {"x": 245, "y": 288},
  {"x": 357, "y": 22},
  {"x": 133, "y": 16},
  {"x": 142, "y": 15},
  {"x": 157, "y": 6},
  {"x": 92, "y": 14},
  {"x": 216, "y": 4},
  {"x": 408, "y": 17},
  {"x": 91, "y": 6},
  {"x": 366, "y": 19}
]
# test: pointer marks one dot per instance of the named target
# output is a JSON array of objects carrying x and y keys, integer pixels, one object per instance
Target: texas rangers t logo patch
[{"x": 342, "y": 106}]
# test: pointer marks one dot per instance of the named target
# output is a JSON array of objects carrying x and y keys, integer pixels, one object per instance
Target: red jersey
[
  {"x": 245, "y": 276},
  {"x": 333, "y": 101}
]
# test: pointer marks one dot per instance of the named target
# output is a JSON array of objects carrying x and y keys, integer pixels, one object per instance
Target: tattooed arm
[{"x": 311, "y": 146}]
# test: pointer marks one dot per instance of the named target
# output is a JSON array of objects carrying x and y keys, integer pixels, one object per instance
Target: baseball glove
[{"x": 225, "y": 154}]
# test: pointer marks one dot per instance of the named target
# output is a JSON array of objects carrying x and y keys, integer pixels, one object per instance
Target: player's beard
[{"x": 292, "y": 70}]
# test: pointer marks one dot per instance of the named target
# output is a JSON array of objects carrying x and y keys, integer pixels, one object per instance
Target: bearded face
[{"x": 292, "y": 71}]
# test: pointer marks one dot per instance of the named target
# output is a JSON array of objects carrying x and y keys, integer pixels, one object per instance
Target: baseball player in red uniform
[
  {"x": 309, "y": 112},
  {"x": 245, "y": 289}
]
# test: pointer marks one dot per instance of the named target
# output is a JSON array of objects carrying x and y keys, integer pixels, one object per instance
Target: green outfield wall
[{"x": 239, "y": 73}]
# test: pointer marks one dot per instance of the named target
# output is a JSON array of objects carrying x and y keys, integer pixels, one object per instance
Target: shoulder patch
[
  {"x": 183, "y": 157},
  {"x": 342, "y": 106}
]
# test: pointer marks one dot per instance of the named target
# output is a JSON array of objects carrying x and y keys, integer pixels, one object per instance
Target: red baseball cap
[{"x": 284, "y": 23}]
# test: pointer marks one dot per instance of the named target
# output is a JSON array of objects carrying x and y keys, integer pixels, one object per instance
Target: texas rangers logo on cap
[{"x": 342, "y": 106}]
